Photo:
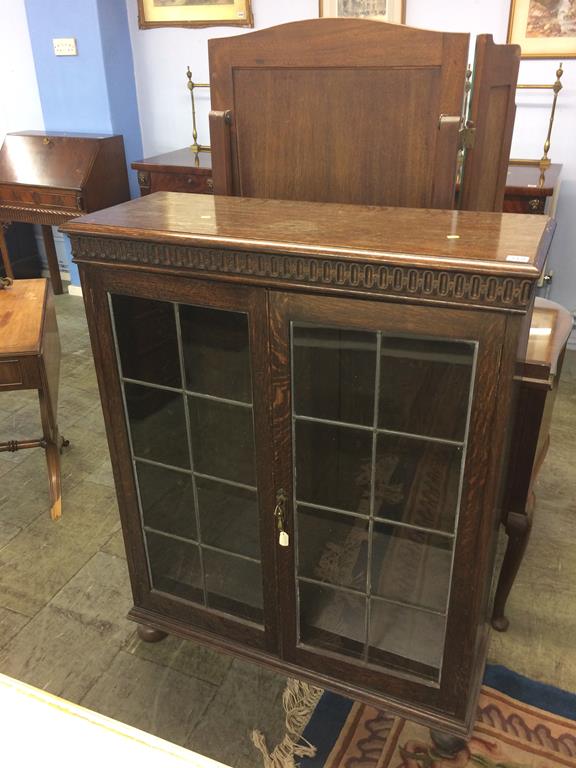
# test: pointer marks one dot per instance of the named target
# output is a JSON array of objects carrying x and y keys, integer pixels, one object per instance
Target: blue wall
[
  {"x": 121, "y": 85},
  {"x": 95, "y": 91}
]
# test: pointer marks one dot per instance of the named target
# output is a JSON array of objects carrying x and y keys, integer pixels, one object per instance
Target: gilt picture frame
[
  {"x": 383, "y": 10},
  {"x": 544, "y": 29},
  {"x": 194, "y": 13}
]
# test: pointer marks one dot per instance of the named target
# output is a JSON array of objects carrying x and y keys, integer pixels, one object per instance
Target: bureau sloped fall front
[{"x": 307, "y": 408}]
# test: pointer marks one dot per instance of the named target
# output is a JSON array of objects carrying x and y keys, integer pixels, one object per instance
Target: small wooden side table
[
  {"x": 538, "y": 376},
  {"x": 30, "y": 359},
  {"x": 527, "y": 189},
  {"x": 530, "y": 190},
  {"x": 178, "y": 171}
]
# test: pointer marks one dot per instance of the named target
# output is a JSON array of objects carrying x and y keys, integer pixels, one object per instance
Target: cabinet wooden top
[
  {"x": 495, "y": 243},
  {"x": 529, "y": 180},
  {"x": 180, "y": 160}
]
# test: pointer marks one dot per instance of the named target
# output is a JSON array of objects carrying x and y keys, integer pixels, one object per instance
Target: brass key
[{"x": 279, "y": 513}]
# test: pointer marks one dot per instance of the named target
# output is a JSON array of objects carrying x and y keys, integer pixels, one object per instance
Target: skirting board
[
  {"x": 73, "y": 290},
  {"x": 63, "y": 274},
  {"x": 59, "y": 243}
]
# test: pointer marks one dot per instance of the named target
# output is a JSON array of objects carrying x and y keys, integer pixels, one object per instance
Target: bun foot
[
  {"x": 500, "y": 623},
  {"x": 149, "y": 635}
]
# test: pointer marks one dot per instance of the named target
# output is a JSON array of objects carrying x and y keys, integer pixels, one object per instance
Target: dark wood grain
[
  {"x": 538, "y": 373},
  {"x": 492, "y": 111},
  {"x": 8, "y": 271},
  {"x": 21, "y": 317},
  {"x": 230, "y": 298},
  {"x": 304, "y": 97},
  {"x": 406, "y": 709},
  {"x": 52, "y": 257},
  {"x": 528, "y": 189},
  {"x": 529, "y": 179},
  {"x": 461, "y": 657},
  {"x": 178, "y": 171},
  {"x": 220, "y": 137},
  {"x": 30, "y": 359},
  {"x": 48, "y": 178},
  {"x": 91, "y": 164},
  {"x": 401, "y": 236},
  {"x": 385, "y": 269},
  {"x": 178, "y": 161}
]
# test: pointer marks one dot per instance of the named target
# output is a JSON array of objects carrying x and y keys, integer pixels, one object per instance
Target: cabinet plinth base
[{"x": 149, "y": 635}]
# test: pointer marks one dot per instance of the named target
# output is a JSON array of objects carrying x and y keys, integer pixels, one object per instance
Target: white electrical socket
[{"x": 65, "y": 46}]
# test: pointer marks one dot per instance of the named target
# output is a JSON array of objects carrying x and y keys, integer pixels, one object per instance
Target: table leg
[
  {"x": 49, "y": 379},
  {"x": 4, "y": 251},
  {"x": 52, "y": 258},
  {"x": 518, "y": 527},
  {"x": 54, "y": 444}
]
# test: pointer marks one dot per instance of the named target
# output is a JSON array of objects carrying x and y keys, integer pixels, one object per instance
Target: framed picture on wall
[
  {"x": 383, "y": 10},
  {"x": 544, "y": 29},
  {"x": 194, "y": 13}
]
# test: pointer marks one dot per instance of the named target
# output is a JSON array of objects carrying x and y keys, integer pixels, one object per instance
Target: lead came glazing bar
[
  {"x": 191, "y": 452},
  {"x": 200, "y": 530},
  {"x": 408, "y": 544},
  {"x": 372, "y": 498}
]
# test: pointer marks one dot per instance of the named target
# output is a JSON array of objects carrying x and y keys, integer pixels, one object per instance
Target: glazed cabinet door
[
  {"x": 382, "y": 426},
  {"x": 183, "y": 374}
]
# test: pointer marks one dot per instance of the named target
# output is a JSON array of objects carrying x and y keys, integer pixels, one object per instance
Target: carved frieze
[
  {"x": 330, "y": 272},
  {"x": 33, "y": 215}
]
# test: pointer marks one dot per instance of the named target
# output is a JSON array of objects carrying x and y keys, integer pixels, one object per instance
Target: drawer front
[
  {"x": 523, "y": 204},
  {"x": 19, "y": 373},
  {"x": 35, "y": 197},
  {"x": 10, "y": 373},
  {"x": 199, "y": 183}
]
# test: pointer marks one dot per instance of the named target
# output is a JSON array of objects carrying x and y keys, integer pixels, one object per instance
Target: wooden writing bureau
[
  {"x": 306, "y": 406},
  {"x": 48, "y": 178}
]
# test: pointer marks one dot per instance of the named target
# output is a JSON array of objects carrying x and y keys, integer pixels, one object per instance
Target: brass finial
[
  {"x": 195, "y": 147},
  {"x": 557, "y": 87}
]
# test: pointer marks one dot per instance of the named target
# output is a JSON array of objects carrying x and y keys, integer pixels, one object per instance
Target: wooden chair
[
  {"x": 30, "y": 359},
  {"x": 357, "y": 111},
  {"x": 539, "y": 376}
]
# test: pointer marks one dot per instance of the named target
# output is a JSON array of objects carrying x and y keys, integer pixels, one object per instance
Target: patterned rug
[{"x": 520, "y": 724}]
